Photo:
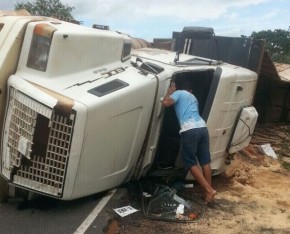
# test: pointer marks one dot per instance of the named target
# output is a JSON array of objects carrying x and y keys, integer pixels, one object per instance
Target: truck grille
[{"x": 39, "y": 142}]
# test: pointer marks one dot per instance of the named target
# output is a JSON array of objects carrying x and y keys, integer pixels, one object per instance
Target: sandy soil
[{"x": 253, "y": 194}]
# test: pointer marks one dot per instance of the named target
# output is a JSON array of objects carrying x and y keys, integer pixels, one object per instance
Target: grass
[{"x": 286, "y": 166}]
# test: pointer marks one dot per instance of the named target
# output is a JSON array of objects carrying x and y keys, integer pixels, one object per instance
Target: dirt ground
[{"x": 253, "y": 194}]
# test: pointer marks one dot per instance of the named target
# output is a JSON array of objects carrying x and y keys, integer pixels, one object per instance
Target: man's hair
[{"x": 183, "y": 85}]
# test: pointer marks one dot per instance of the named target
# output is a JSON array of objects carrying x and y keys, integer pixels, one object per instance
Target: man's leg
[
  {"x": 207, "y": 173},
  {"x": 198, "y": 175},
  {"x": 189, "y": 147}
]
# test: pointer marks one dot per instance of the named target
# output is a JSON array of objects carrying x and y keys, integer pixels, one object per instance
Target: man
[{"x": 194, "y": 135}]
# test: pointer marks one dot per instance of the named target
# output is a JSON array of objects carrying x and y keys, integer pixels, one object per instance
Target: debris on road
[
  {"x": 126, "y": 210},
  {"x": 165, "y": 204},
  {"x": 268, "y": 150},
  {"x": 253, "y": 194}
]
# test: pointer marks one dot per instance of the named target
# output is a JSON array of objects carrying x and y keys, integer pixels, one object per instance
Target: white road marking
[{"x": 88, "y": 221}]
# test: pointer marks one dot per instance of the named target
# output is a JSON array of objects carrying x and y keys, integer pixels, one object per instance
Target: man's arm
[{"x": 167, "y": 100}]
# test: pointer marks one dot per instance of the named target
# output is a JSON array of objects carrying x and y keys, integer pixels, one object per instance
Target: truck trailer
[{"x": 81, "y": 109}]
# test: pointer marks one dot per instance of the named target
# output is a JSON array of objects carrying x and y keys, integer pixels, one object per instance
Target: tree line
[{"x": 277, "y": 41}]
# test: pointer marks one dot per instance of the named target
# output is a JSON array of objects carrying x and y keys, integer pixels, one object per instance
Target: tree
[
  {"x": 277, "y": 43},
  {"x": 50, "y": 8}
]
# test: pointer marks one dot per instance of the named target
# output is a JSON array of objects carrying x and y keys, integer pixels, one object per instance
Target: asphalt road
[
  {"x": 90, "y": 215},
  {"x": 46, "y": 215}
]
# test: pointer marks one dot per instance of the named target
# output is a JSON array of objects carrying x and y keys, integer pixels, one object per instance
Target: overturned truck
[{"x": 83, "y": 112}]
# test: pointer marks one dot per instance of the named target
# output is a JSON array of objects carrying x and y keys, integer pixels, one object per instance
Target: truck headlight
[{"x": 40, "y": 46}]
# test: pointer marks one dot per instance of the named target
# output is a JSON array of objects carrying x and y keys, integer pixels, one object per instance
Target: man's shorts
[{"x": 195, "y": 147}]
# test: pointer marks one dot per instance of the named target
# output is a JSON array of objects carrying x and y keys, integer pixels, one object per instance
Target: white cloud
[
  {"x": 152, "y": 18},
  {"x": 137, "y": 10},
  {"x": 271, "y": 14},
  {"x": 7, "y": 4},
  {"x": 186, "y": 10}
]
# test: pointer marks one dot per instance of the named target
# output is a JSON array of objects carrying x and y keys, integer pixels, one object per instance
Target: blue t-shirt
[{"x": 187, "y": 112}]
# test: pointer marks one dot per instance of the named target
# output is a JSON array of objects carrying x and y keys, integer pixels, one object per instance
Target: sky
[{"x": 148, "y": 19}]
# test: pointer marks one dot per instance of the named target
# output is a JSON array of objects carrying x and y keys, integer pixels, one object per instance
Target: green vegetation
[
  {"x": 277, "y": 43},
  {"x": 286, "y": 166},
  {"x": 50, "y": 8}
]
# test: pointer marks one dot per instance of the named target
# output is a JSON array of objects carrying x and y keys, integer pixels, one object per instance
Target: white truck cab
[{"x": 83, "y": 111}]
